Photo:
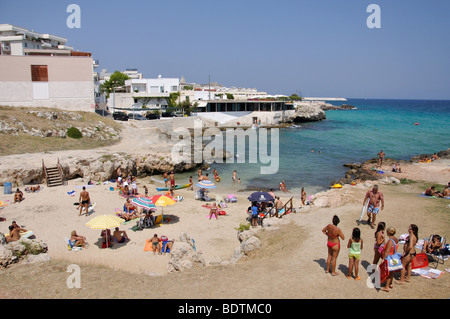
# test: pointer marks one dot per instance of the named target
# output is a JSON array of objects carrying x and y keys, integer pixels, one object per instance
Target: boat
[{"x": 160, "y": 189}]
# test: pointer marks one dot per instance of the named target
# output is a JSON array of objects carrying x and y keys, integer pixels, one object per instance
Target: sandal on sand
[{"x": 357, "y": 278}]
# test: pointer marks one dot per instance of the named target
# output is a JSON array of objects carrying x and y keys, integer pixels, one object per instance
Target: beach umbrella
[
  {"x": 144, "y": 202},
  {"x": 206, "y": 184},
  {"x": 162, "y": 200},
  {"x": 260, "y": 197},
  {"x": 105, "y": 222}
]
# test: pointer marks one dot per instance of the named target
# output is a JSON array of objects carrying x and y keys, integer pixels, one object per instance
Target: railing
[
  {"x": 289, "y": 206},
  {"x": 58, "y": 165},
  {"x": 45, "y": 171}
]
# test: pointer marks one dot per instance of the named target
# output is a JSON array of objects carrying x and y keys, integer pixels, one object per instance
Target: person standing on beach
[
  {"x": 379, "y": 242},
  {"x": 380, "y": 155},
  {"x": 375, "y": 198},
  {"x": 303, "y": 196},
  {"x": 234, "y": 176},
  {"x": 333, "y": 233},
  {"x": 409, "y": 253},
  {"x": 389, "y": 249},
  {"x": 355, "y": 245},
  {"x": 191, "y": 184},
  {"x": 172, "y": 179},
  {"x": 84, "y": 200}
]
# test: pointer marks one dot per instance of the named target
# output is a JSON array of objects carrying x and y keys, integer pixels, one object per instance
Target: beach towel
[
  {"x": 427, "y": 272},
  {"x": 149, "y": 246},
  {"x": 71, "y": 193}
]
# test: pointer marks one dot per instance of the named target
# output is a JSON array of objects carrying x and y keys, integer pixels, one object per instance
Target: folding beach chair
[{"x": 439, "y": 256}]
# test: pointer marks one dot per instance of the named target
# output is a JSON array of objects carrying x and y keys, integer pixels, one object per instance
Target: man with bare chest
[{"x": 375, "y": 198}]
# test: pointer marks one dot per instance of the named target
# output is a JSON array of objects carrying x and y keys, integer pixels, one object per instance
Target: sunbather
[
  {"x": 433, "y": 246},
  {"x": 120, "y": 235},
  {"x": 77, "y": 240},
  {"x": 155, "y": 242},
  {"x": 18, "y": 196}
]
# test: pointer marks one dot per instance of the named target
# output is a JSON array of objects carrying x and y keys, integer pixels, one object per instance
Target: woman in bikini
[
  {"x": 409, "y": 253},
  {"x": 333, "y": 233},
  {"x": 379, "y": 242}
]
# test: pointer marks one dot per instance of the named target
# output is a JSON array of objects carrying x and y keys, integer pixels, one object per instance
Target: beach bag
[
  {"x": 394, "y": 260},
  {"x": 420, "y": 261}
]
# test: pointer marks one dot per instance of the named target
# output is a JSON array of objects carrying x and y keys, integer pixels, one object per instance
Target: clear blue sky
[{"x": 316, "y": 47}]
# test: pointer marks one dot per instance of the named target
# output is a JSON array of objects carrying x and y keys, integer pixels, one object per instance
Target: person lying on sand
[
  {"x": 14, "y": 234},
  {"x": 155, "y": 242}
]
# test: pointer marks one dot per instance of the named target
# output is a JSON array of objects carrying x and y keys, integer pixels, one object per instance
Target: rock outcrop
[
  {"x": 184, "y": 255},
  {"x": 308, "y": 113},
  {"x": 28, "y": 250}
]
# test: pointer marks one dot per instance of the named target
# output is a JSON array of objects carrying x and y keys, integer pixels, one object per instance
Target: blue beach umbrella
[
  {"x": 206, "y": 184},
  {"x": 260, "y": 197}
]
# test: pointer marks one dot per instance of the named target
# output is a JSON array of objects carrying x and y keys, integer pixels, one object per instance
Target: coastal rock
[
  {"x": 329, "y": 107},
  {"x": 26, "y": 249},
  {"x": 250, "y": 245},
  {"x": 309, "y": 113},
  {"x": 6, "y": 256},
  {"x": 184, "y": 257}
]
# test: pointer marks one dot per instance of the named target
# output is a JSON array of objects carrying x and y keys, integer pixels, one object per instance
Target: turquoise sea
[{"x": 346, "y": 136}]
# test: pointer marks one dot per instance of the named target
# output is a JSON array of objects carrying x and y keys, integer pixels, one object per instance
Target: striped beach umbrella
[
  {"x": 144, "y": 202},
  {"x": 206, "y": 184},
  {"x": 105, "y": 222}
]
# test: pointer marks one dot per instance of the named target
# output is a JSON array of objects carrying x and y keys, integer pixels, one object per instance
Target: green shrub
[
  {"x": 73, "y": 132},
  {"x": 242, "y": 227}
]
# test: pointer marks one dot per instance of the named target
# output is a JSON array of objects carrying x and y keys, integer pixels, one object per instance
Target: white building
[
  {"x": 20, "y": 41},
  {"x": 40, "y": 70},
  {"x": 149, "y": 93}
]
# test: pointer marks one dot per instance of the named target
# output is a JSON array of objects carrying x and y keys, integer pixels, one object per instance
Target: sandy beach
[{"x": 293, "y": 252}]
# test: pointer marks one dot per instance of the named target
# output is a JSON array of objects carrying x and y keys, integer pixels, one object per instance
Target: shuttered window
[{"x": 39, "y": 73}]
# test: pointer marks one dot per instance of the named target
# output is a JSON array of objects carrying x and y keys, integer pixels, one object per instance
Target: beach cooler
[{"x": 7, "y": 188}]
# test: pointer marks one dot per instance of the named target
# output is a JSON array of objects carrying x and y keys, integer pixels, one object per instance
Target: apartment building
[{"x": 41, "y": 70}]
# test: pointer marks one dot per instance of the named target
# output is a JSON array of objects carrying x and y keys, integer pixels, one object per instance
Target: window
[{"x": 39, "y": 73}]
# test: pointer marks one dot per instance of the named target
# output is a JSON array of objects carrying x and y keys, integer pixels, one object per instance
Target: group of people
[
  {"x": 118, "y": 235},
  {"x": 273, "y": 207},
  {"x": 431, "y": 191},
  {"x": 155, "y": 240},
  {"x": 385, "y": 244}
]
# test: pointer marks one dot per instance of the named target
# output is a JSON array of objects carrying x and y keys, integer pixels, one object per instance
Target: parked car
[
  {"x": 121, "y": 116},
  {"x": 152, "y": 116},
  {"x": 136, "y": 116},
  {"x": 167, "y": 114}
]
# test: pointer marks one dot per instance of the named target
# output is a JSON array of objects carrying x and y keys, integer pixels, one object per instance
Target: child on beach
[{"x": 355, "y": 245}]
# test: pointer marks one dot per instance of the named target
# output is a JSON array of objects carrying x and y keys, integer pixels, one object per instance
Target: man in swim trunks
[
  {"x": 155, "y": 242},
  {"x": 375, "y": 198},
  {"x": 84, "y": 200},
  {"x": 120, "y": 236},
  {"x": 380, "y": 158}
]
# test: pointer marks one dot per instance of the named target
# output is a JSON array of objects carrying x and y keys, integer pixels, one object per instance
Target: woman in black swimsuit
[{"x": 409, "y": 253}]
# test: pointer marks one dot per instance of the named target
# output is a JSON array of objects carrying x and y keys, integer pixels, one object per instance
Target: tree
[
  {"x": 230, "y": 96},
  {"x": 116, "y": 79},
  {"x": 295, "y": 97}
]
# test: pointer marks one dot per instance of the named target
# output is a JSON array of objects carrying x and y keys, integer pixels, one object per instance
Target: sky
[{"x": 314, "y": 48}]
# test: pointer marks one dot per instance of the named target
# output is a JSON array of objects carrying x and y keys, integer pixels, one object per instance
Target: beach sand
[{"x": 290, "y": 263}]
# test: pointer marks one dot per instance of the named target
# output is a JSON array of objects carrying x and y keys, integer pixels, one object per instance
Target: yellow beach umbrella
[{"x": 105, "y": 222}]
